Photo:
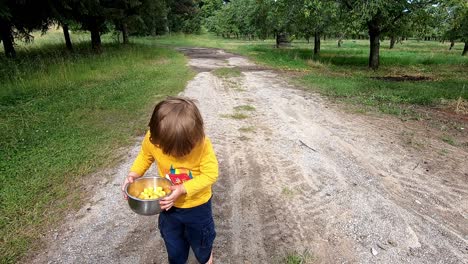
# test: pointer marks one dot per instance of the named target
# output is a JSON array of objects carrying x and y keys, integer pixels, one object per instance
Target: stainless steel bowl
[{"x": 146, "y": 207}]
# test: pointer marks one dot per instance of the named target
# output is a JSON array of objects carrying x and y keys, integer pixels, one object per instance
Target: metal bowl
[{"x": 146, "y": 207}]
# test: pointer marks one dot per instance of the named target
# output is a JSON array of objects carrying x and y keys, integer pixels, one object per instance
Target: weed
[
  {"x": 298, "y": 258},
  {"x": 236, "y": 115},
  {"x": 449, "y": 140},
  {"x": 443, "y": 152},
  {"x": 247, "y": 129},
  {"x": 287, "y": 192},
  {"x": 227, "y": 72},
  {"x": 244, "y": 108}
]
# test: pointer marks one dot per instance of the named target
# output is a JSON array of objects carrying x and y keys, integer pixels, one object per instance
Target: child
[{"x": 177, "y": 143}]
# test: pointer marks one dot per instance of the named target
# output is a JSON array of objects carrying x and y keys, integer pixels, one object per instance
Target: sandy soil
[{"x": 297, "y": 175}]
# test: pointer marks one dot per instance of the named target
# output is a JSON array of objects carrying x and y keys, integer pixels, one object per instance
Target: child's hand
[
  {"x": 129, "y": 179},
  {"x": 168, "y": 202}
]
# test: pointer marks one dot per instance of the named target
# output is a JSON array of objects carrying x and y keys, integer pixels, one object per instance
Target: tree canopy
[
  {"x": 143, "y": 17},
  {"x": 285, "y": 20}
]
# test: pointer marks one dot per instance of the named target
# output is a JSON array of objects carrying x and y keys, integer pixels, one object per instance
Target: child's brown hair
[{"x": 176, "y": 126}]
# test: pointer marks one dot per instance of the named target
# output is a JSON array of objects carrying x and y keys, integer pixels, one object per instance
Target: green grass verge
[
  {"x": 343, "y": 73},
  {"x": 63, "y": 116}
]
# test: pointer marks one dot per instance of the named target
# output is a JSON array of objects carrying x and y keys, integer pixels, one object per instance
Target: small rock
[
  {"x": 88, "y": 209},
  {"x": 391, "y": 242},
  {"x": 418, "y": 202},
  {"x": 374, "y": 251}
]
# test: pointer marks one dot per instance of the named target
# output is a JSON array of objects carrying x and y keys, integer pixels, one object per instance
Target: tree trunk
[
  {"x": 452, "y": 43},
  {"x": 66, "y": 34},
  {"x": 317, "y": 43},
  {"x": 125, "y": 32},
  {"x": 7, "y": 39},
  {"x": 282, "y": 40},
  {"x": 465, "y": 49},
  {"x": 392, "y": 41},
  {"x": 153, "y": 27},
  {"x": 277, "y": 40},
  {"x": 374, "y": 38},
  {"x": 95, "y": 37}
]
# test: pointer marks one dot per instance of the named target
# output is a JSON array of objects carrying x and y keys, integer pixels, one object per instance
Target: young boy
[{"x": 176, "y": 141}]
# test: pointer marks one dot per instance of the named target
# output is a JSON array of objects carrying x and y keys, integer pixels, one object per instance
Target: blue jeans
[{"x": 182, "y": 228}]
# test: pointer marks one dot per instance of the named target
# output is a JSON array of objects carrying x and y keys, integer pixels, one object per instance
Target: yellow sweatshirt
[{"x": 201, "y": 163}]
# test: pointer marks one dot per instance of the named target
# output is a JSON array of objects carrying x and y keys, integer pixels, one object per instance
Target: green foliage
[
  {"x": 210, "y": 7},
  {"x": 243, "y": 18},
  {"x": 153, "y": 18},
  {"x": 63, "y": 116},
  {"x": 457, "y": 17},
  {"x": 317, "y": 16},
  {"x": 184, "y": 16}
]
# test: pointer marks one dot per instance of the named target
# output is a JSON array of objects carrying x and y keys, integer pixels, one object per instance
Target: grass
[
  {"x": 236, "y": 115},
  {"x": 288, "y": 192},
  {"x": 227, "y": 72},
  {"x": 244, "y": 108},
  {"x": 342, "y": 73},
  {"x": 64, "y": 116},
  {"x": 239, "y": 112},
  {"x": 449, "y": 140},
  {"x": 298, "y": 258},
  {"x": 247, "y": 129}
]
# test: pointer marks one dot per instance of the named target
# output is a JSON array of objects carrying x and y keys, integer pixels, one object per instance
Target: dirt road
[{"x": 297, "y": 176}]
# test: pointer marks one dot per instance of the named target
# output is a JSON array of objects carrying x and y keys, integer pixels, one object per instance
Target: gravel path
[{"x": 296, "y": 175}]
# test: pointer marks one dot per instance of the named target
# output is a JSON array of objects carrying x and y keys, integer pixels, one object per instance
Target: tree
[
  {"x": 62, "y": 15},
  {"x": 122, "y": 13},
  {"x": 378, "y": 16},
  {"x": 6, "y": 34},
  {"x": 184, "y": 16},
  {"x": 18, "y": 19},
  {"x": 457, "y": 17},
  {"x": 400, "y": 29},
  {"x": 284, "y": 17},
  {"x": 90, "y": 14},
  {"x": 210, "y": 7},
  {"x": 317, "y": 17}
]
